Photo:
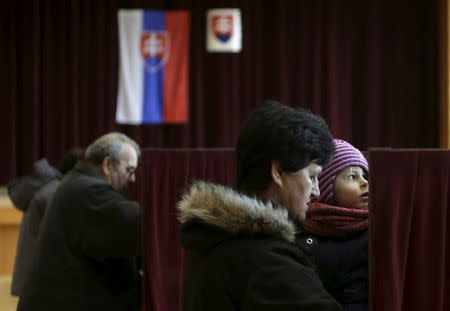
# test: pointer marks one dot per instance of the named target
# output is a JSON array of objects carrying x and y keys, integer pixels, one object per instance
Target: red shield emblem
[
  {"x": 155, "y": 48},
  {"x": 222, "y": 27}
]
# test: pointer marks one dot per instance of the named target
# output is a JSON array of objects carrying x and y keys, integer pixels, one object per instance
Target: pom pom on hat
[{"x": 345, "y": 156}]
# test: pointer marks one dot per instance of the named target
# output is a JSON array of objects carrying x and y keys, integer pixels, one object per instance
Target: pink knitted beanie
[{"x": 345, "y": 156}]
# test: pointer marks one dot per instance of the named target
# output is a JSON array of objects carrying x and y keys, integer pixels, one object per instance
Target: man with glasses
[{"x": 91, "y": 235}]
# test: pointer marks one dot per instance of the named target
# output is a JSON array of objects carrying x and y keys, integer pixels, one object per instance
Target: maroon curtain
[
  {"x": 160, "y": 181},
  {"x": 409, "y": 230},
  {"x": 368, "y": 67}
]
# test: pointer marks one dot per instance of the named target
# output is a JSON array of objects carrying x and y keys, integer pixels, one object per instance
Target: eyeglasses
[{"x": 130, "y": 170}]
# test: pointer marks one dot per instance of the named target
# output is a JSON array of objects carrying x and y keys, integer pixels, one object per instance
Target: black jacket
[
  {"x": 342, "y": 265},
  {"x": 85, "y": 257},
  {"x": 243, "y": 255},
  {"x": 30, "y": 194}
]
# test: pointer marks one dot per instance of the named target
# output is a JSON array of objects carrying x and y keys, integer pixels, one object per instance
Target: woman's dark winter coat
[
  {"x": 243, "y": 256},
  {"x": 343, "y": 267},
  {"x": 85, "y": 257}
]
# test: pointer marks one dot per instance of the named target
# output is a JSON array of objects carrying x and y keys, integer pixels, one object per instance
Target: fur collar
[{"x": 235, "y": 212}]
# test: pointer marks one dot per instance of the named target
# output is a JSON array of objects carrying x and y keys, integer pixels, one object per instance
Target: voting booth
[
  {"x": 409, "y": 251},
  {"x": 409, "y": 230},
  {"x": 162, "y": 177}
]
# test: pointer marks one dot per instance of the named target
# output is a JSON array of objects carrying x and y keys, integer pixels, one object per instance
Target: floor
[{"x": 7, "y": 302}]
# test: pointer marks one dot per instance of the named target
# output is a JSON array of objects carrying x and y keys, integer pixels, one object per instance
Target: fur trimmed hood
[{"x": 234, "y": 212}]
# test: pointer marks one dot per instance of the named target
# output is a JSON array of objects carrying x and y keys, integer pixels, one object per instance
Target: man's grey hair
[{"x": 109, "y": 145}]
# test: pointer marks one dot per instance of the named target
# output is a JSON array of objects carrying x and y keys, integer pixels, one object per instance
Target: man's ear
[
  {"x": 276, "y": 172},
  {"x": 107, "y": 165}
]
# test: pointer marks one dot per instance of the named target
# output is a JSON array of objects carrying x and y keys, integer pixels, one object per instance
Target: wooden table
[{"x": 10, "y": 219}]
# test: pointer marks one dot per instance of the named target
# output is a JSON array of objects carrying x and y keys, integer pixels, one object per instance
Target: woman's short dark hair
[{"x": 293, "y": 137}]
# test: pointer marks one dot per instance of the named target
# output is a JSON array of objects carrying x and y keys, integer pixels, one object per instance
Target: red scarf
[{"x": 333, "y": 221}]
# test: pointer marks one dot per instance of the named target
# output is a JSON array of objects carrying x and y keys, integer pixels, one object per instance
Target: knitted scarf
[{"x": 335, "y": 222}]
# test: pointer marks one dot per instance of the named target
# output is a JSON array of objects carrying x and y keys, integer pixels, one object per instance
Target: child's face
[{"x": 352, "y": 188}]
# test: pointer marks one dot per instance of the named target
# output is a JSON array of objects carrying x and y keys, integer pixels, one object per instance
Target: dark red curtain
[
  {"x": 368, "y": 67},
  {"x": 409, "y": 230},
  {"x": 160, "y": 182}
]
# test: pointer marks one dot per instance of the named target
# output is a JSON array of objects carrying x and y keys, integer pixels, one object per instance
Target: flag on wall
[
  {"x": 153, "y": 67},
  {"x": 224, "y": 32}
]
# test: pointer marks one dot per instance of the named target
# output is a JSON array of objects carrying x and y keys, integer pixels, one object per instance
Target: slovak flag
[{"x": 153, "y": 70}]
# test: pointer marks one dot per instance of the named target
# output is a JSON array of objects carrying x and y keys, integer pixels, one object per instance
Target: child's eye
[{"x": 351, "y": 177}]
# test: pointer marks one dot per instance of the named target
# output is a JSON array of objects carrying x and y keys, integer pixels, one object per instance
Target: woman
[{"x": 242, "y": 247}]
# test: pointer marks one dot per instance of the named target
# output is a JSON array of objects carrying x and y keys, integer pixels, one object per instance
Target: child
[{"x": 336, "y": 225}]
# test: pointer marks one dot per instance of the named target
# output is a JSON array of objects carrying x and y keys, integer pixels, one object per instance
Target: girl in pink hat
[{"x": 336, "y": 225}]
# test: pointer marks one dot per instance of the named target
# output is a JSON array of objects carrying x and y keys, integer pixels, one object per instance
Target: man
[
  {"x": 91, "y": 234},
  {"x": 243, "y": 252}
]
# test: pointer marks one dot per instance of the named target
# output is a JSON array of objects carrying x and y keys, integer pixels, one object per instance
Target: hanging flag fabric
[
  {"x": 153, "y": 67},
  {"x": 223, "y": 30}
]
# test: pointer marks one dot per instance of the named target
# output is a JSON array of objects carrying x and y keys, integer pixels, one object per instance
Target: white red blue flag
[
  {"x": 223, "y": 30},
  {"x": 153, "y": 67}
]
